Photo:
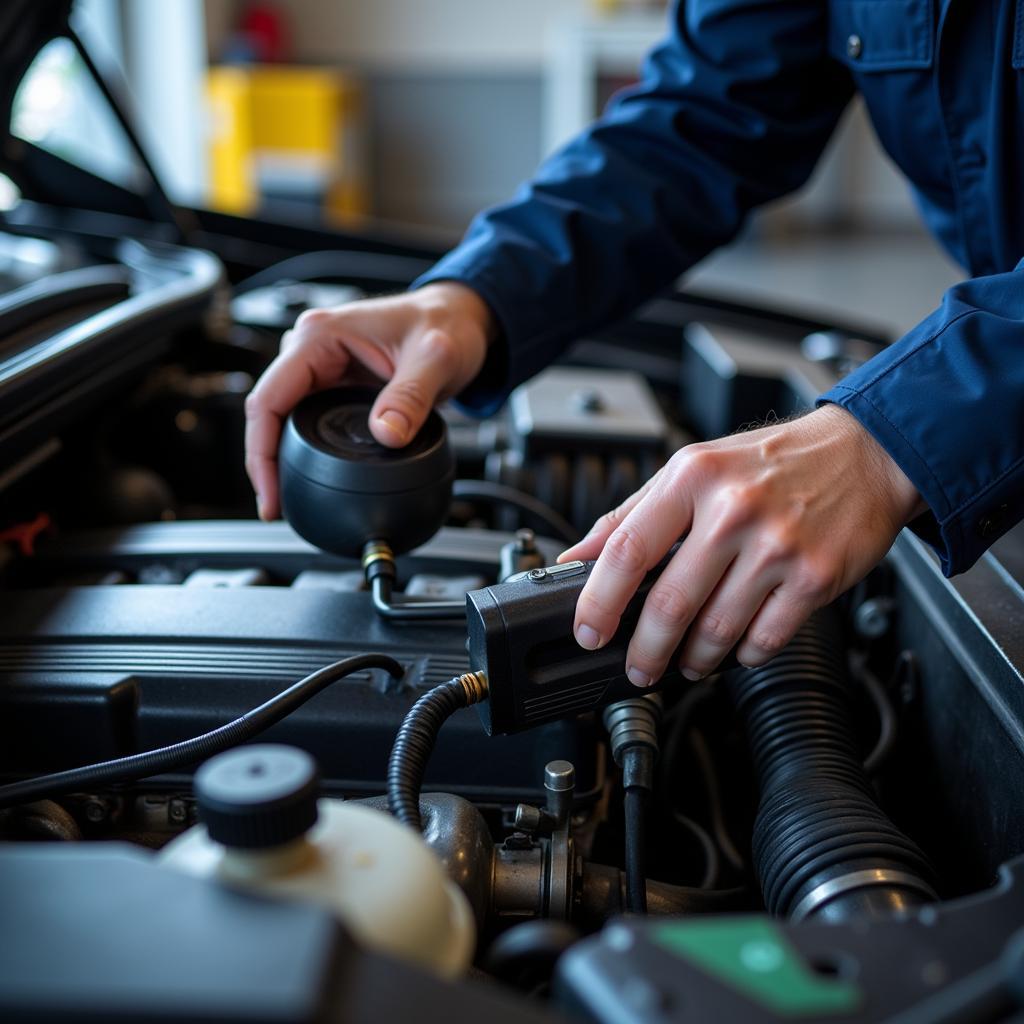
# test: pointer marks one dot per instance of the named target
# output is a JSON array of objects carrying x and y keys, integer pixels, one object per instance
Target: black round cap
[
  {"x": 340, "y": 488},
  {"x": 327, "y": 439},
  {"x": 258, "y": 796}
]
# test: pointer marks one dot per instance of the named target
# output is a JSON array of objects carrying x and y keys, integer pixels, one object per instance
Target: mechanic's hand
[
  {"x": 429, "y": 344},
  {"x": 776, "y": 523}
]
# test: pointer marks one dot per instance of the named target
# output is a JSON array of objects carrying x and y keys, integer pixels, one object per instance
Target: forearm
[
  {"x": 734, "y": 109},
  {"x": 947, "y": 403}
]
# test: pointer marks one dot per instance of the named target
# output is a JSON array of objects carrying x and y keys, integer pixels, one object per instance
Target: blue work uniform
[{"x": 734, "y": 109}]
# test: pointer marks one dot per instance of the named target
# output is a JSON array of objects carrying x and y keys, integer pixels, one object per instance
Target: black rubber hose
[
  {"x": 887, "y": 719},
  {"x": 199, "y": 748},
  {"x": 821, "y": 843},
  {"x": 636, "y": 873},
  {"x": 602, "y": 896},
  {"x": 712, "y": 861},
  {"x": 415, "y": 743},
  {"x": 500, "y": 494}
]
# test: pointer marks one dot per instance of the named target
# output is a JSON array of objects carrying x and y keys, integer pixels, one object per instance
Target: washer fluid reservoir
[{"x": 262, "y": 827}]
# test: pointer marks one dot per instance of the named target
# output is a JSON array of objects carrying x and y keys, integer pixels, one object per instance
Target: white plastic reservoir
[{"x": 264, "y": 829}]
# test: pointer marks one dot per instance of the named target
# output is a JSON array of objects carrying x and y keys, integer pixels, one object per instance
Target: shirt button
[
  {"x": 854, "y": 46},
  {"x": 991, "y": 523}
]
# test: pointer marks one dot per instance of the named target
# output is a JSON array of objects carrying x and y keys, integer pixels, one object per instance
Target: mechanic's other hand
[
  {"x": 428, "y": 344},
  {"x": 776, "y": 523}
]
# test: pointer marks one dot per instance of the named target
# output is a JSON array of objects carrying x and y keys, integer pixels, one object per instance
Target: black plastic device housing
[
  {"x": 520, "y": 635},
  {"x": 341, "y": 488}
]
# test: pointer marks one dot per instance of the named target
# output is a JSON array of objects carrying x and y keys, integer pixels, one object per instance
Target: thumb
[{"x": 426, "y": 369}]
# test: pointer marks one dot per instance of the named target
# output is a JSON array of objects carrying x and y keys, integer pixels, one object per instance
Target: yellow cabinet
[{"x": 280, "y": 132}]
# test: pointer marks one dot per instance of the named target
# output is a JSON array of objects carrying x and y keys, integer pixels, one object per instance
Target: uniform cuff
[{"x": 928, "y": 526}]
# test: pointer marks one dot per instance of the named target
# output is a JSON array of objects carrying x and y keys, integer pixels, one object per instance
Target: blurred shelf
[{"x": 579, "y": 52}]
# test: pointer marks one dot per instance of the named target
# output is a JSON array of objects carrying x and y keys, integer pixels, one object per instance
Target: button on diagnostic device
[{"x": 555, "y": 572}]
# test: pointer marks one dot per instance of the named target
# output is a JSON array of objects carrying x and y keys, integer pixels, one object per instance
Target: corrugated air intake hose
[{"x": 822, "y": 846}]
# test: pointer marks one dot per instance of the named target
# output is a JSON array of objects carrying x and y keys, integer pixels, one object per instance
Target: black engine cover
[{"x": 93, "y": 672}]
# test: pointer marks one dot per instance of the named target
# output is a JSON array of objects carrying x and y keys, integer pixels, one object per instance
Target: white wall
[{"x": 431, "y": 64}]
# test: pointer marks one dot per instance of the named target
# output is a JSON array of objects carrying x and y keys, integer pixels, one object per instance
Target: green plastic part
[{"x": 752, "y": 955}]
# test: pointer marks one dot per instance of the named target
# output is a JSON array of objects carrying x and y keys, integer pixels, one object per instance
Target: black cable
[
  {"x": 678, "y": 719},
  {"x": 887, "y": 720},
  {"x": 339, "y": 264},
  {"x": 712, "y": 862},
  {"x": 198, "y": 748},
  {"x": 416, "y": 738},
  {"x": 636, "y": 873},
  {"x": 500, "y": 494},
  {"x": 716, "y": 806}
]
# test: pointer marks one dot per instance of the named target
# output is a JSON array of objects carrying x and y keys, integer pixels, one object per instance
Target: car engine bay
[
  {"x": 851, "y": 805},
  {"x": 352, "y": 766}
]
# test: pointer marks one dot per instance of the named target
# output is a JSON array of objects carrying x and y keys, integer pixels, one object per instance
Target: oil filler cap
[
  {"x": 341, "y": 488},
  {"x": 258, "y": 796}
]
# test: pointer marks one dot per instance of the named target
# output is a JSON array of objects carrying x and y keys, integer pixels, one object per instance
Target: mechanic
[{"x": 733, "y": 110}]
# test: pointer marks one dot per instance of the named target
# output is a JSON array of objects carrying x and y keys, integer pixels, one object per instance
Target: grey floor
[{"x": 889, "y": 281}]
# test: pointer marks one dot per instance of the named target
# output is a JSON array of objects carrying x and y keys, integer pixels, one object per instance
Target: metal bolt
[
  {"x": 873, "y": 617},
  {"x": 527, "y": 818},
  {"x": 559, "y": 781},
  {"x": 525, "y": 541},
  {"x": 854, "y": 46},
  {"x": 96, "y": 811},
  {"x": 559, "y": 776},
  {"x": 537, "y": 575}
]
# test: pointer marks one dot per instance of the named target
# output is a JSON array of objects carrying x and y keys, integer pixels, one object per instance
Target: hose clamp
[
  {"x": 475, "y": 686},
  {"x": 867, "y": 879},
  {"x": 376, "y": 551}
]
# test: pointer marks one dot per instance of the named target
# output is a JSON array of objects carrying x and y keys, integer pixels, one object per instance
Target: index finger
[
  {"x": 630, "y": 552},
  {"x": 288, "y": 379}
]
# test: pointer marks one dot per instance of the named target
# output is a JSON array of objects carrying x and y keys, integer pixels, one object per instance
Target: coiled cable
[{"x": 416, "y": 738}]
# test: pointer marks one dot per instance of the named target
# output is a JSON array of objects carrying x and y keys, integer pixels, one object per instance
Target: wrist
[
  {"x": 902, "y": 497},
  {"x": 455, "y": 303}
]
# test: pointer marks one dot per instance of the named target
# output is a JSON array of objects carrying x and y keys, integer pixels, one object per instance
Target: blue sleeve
[
  {"x": 947, "y": 403},
  {"x": 734, "y": 109}
]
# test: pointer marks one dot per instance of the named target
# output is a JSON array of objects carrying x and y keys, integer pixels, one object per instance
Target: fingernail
[
  {"x": 692, "y": 675},
  {"x": 396, "y": 422},
  {"x": 638, "y": 678},
  {"x": 588, "y": 638},
  {"x": 259, "y": 507}
]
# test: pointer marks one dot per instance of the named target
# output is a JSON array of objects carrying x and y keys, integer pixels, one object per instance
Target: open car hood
[{"x": 26, "y": 26}]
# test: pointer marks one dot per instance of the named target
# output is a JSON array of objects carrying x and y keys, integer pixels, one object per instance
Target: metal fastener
[
  {"x": 854, "y": 46},
  {"x": 559, "y": 776}
]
